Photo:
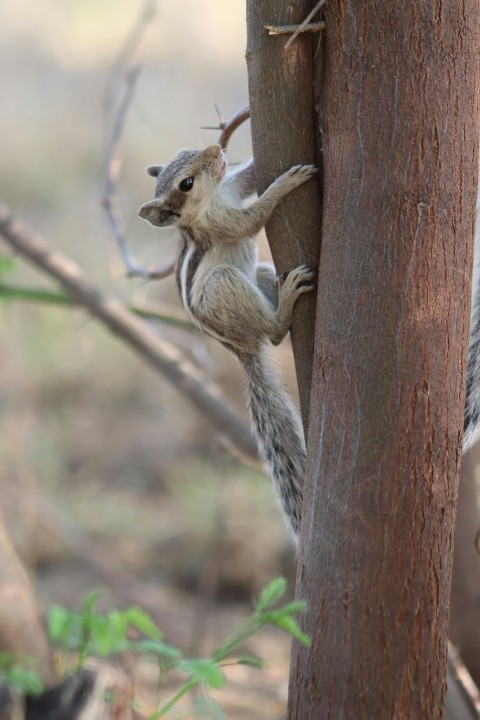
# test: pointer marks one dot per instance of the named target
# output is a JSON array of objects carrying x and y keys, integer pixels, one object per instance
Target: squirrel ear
[
  {"x": 154, "y": 170},
  {"x": 213, "y": 151}
]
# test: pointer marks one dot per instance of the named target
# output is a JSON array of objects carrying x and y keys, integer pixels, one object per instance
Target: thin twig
[
  {"x": 162, "y": 312},
  {"x": 232, "y": 124},
  {"x": 110, "y": 199},
  {"x": 228, "y": 127},
  {"x": 289, "y": 29},
  {"x": 146, "y": 15},
  {"x": 164, "y": 356},
  {"x": 301, "y": 27}
]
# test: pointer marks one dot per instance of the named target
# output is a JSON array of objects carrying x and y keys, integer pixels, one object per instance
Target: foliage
[
  {"x": 20, "y": 676},
  {"x": 90, "y": 633}
]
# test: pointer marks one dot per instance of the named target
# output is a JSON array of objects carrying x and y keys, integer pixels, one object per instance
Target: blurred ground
[{"x": 117, "y": 457}]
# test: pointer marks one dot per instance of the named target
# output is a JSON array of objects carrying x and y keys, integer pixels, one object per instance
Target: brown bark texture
[
  {"x": 283, "y": 135},
  {"x": 399, "y": 122}
]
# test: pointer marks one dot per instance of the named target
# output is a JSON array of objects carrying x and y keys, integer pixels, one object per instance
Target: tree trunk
[
  {"x": 283, "y": 135},
  {"x": 21, "y": 633},
  {"x": 399, "y": 113}
]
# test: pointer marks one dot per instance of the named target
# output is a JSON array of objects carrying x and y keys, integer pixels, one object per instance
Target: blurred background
[{"x": 101, "y": 460}]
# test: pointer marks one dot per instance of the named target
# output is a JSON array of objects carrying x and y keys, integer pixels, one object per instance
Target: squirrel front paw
[
  {"x": 302, "y": 171},
  {"x": 297, "y": 281},
  {"x": 297, "y": 175}
]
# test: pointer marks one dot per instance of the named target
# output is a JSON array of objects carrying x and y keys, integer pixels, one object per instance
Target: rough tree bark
[
  {"x": 399, "y": 114},
  {"x": 283, "y": 134}
]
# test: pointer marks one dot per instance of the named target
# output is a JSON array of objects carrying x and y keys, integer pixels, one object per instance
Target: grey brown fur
[
  {"x": 232, "y": 297},
  {"x": 471, "y": 419}
]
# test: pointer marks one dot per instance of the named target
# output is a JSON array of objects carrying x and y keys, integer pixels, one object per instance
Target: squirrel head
[{"x": 184, "y": 188}]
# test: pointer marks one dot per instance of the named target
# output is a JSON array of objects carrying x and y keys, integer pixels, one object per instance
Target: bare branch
[
  {"x": 301, "y": 27},
  {"x": 113, "y": 161},
  {"x": 111, "y": 201},
  {"x": 289, "y": 29},
  {"x": 147, "y": 13},
  {"x": 229, "y": 127},
  {"x": 161, "y": 354},
  {"x": 161, "y": 312}
]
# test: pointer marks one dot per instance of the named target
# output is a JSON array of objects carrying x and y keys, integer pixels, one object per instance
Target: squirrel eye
[{"x": 186, "y": 184}]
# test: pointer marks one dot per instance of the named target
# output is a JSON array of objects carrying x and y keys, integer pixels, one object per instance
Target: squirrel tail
[
  {"x": 471, "y": 420},
  {"x": 278, "y": 431}
]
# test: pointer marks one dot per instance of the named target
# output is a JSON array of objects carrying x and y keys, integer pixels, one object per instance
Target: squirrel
[
  {"x": 237, "y": 300},
  {"x": 229, "y": 295}
]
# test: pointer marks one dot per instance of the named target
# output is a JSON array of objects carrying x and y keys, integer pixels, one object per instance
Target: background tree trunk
[
  {"x": 399, "y": 122},
  {"x": 21, "y": 633},
  {"x": 284, "y": 134}
]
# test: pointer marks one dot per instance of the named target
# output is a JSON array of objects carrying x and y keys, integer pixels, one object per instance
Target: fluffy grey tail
[
  {"x": 471, "y": 418},
  {"x": 278, "y": 432}
]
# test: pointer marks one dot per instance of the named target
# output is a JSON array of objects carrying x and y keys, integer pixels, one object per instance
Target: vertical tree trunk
[
  {"x": 399, "y": 121},
  {"x": 284, "y": 134},
  {"x": 21, "y": 633}
]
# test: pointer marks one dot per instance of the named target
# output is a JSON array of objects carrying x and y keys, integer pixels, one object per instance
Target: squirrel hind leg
[
  {"x": 266, "y": 279},
  {"x": 290, "y": 290}
]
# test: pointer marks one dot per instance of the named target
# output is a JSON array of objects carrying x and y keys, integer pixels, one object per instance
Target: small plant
[
  {"x": 20, "y": 675},
  {"x": 90, "y": 633},
  {"x": 93, "y": 634}
]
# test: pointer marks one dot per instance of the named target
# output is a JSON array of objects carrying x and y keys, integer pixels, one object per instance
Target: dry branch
[
  {"x": 161, "y": 354},
  {"x": 302, "y": 27},
  {"x": 229, "y": 127},
  {"x": 127, "y": 77},
  {"x": 160, "y": 311},
  {"x": 294, "y": 29},
  {"x": 111, "y": 201}
]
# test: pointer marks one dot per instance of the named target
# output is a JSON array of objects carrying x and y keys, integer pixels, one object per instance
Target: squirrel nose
[{"x": 148, "y": 209}]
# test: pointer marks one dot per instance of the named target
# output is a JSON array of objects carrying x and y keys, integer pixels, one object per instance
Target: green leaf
[
  {"x": 296, "y": 606},
  {"x": 271, "y": 594},
  {"x": 26, "y": 681},
  {"x": 105, "y": 638},
  {"x": 19, "y": 674},
  {"x": 251, "y": 661},
  {"x": 90, "y": 601},
  {"x": 207, "y": 708},
  {"x": 7, "y": 265},
  {"x": 60, "y": 624},
  {"x": 141, "y": 620},
  {"x": 291, "y": 627},
  {"x": 203, "y": 671},
  {"x": 157, "y": 647}
]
